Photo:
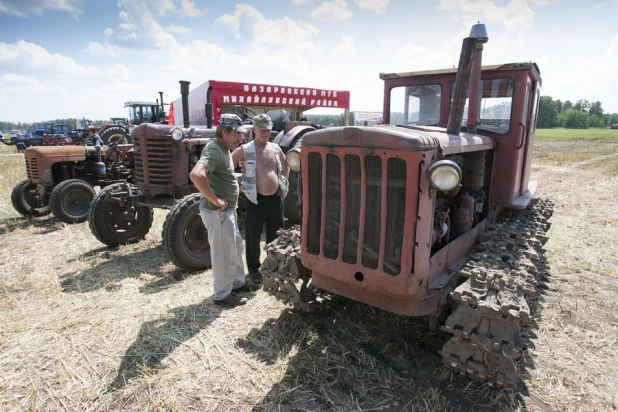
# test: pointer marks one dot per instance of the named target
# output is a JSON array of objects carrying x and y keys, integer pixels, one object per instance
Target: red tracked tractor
[
  {"x": 166, "y": 154},
  {"x": 423, "y": 217}
]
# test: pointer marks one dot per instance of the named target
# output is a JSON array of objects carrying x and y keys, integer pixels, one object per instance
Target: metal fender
[{"x": 284, "y": 140}]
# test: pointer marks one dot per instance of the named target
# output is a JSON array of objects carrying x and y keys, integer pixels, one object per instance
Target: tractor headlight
[
  {"x": 293, "y": 159},
  {"x": 444, "y": 175},
  {"x": 177, "y": 134}
]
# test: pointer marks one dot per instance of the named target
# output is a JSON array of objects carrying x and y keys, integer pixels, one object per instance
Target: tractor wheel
[
  {"x": 25, "y": 201},
  {"x": 185, "y": 239},
  {"x": 114, "y": 224},
  {"x": 70, "y": 200},
  {"x": 115, "y": 134},
  {"x": 292, "y": 207}
]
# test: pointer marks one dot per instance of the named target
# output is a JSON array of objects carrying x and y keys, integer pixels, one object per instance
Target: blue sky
[{"x": 85, "y": 58}]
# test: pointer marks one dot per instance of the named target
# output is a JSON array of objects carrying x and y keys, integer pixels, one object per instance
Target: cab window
[
  {"x": 495, "y": 106},
  {"x": 417, "y": 105}
]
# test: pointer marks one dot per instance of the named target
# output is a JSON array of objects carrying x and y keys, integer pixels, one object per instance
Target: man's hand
[{"x": 221, "y": 204}]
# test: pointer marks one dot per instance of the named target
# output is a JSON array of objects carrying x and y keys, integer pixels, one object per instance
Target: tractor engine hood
[
  {"x": 398, "y": 137},
  {"x": 379, "y": 137}
]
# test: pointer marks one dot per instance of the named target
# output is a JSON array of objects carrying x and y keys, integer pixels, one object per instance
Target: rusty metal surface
[
  {"x": 40, "y": 159},
  {"x": 492, "y": 304},
  {"x": 286, "y": 278}
]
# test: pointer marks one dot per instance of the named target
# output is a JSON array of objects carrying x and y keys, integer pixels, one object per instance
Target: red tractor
[
  {"x": 423, "y": 217},
  {"x": 166, "y": 154},
  {"x": 61, "y": 179}
]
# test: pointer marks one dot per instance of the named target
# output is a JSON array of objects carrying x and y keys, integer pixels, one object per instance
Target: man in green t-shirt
[{"x": 213, "y": 176}]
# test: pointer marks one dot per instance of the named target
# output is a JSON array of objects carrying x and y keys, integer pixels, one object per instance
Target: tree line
[{"x": 579, "y": 115}]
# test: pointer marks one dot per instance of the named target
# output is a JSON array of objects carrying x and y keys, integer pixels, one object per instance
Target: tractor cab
[
  {"x": 144, "y": 112},
  {"x": 118, "y": 120}
]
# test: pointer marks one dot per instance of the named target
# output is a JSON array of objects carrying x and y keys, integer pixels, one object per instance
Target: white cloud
[
  {"x": 114, "y": 89},
  {"x": 97, "y": 49},
  {"x": 249, "y": 25},
  {"x": 413, "y": 56},
  {"x": 138, "y": 27},
  {"x": 379, "y": 6},
  {"x": 299, "y": 2},
  {"x": 188, "y": 9},
  {"x": 29, "y": 57},
  {"x": 172, "y": 28},
  {"x": 332, "y": 11},
  {"x": 516, "y": 15},
  {"x": 21, "y": 8},
  {"x": 119, "y": 71},
  {"x": 600, "y": 6},
  {"x": 17, "y": 83},
  {"x": 347, "y": 44}
]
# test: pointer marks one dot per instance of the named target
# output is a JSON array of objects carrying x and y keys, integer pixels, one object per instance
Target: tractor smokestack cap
[
  {"x": 233, "y": 121},
  {"x": 479, "y": 32},
  {"x": 263, "y": 121}
]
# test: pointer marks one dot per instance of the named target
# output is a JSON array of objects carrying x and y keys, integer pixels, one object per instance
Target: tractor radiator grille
[
  {"x": 153, "y": 160},
  {"x": 32, "y": 168},
  {"x": 381, "y": 182}
]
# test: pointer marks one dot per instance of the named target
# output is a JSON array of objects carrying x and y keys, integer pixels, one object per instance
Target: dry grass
[{"x": 85, "y": 327}]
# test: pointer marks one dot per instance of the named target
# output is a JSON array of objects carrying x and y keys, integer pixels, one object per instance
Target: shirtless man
[{"x": 264, "y": 182}]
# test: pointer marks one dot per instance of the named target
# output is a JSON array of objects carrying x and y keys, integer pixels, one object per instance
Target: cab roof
[{"x": 531, "y": 66}]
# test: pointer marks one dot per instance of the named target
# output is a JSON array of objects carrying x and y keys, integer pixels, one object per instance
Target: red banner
[{"x": 253, "y": 94}]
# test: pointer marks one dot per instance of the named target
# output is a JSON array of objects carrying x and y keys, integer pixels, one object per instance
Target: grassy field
[{"x": 90, "y": 328}]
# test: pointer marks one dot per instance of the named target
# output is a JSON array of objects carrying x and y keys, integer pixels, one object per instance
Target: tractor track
[{"x": 492, "y": 309}]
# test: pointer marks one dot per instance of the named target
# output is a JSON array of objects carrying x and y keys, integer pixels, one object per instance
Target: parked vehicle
[
  {"x": 164, "y": 157},
  {"x": 423, "y": 218}
]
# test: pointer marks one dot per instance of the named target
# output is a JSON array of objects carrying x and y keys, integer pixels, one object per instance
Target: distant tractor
[
  {"x": 422, "y": 217},
  {"x": 61, "y": 178},
  {"x": 164, "y": 157}
]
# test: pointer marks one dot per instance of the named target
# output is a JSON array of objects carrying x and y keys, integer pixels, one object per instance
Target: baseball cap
[
  {"x": 263, "y": 121},
  {"x": 234, "y": 121}
]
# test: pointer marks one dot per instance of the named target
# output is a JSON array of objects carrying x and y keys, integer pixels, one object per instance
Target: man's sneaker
[{"x": 231, "y": 300}]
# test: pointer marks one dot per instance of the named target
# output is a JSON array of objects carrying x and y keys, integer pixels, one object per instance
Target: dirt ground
[{"x": 85, "y": 327}]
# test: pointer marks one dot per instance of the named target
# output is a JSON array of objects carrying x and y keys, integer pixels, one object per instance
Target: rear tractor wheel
[
  {"x": 115, "y": 134},
  {"x": 70, "y": 200},
  {"x": 27, "y": 201},
  {"x": 185, "y": 238},
  {"x": 115, "y": 224}
]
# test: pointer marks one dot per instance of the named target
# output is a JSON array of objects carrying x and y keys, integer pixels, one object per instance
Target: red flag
[{"x": 170, "y": 116}]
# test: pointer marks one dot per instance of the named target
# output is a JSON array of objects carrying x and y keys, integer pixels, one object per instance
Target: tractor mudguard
[{"x": 284, "y": 140}]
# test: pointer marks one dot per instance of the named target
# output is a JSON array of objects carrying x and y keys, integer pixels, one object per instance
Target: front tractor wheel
[
  {"x": 27, "y": 201},
  {"x": 70, "y": 200},
  {"x": 185, "y": 238},
  {"x": 115, "y": 134},
  {"x": 114, "y": 224}
]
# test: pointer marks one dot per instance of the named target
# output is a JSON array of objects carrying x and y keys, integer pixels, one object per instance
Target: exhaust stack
[
  {"x": 465, "y": 73},
  {"x": 162, "y": 116},
  {"x": 184, "y": 92},
  {"x": 208, "y": 109}
]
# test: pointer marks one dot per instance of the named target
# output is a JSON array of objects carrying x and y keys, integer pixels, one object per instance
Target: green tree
[
  {"x": 596, "y": 109},
  {"x": 573, "y": 119},
  {"x": 582, "y": 105},
  {"x": 548, "y": 113},
  {"x": 566, "y": 106}
]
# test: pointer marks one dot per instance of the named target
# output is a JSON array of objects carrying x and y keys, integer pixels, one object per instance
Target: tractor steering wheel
[{"x": 243, "y": 112}]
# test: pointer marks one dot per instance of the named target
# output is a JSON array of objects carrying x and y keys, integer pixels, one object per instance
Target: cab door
[{"x": 528, "y": 128}]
